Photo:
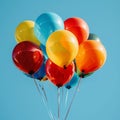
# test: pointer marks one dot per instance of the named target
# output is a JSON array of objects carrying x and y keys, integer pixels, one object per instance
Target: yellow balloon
[
  {"x": 25, "y": 32},
  {"x": 62, "y": 47}
]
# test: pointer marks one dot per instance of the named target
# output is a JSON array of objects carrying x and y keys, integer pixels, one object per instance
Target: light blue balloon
[
  {"x": 73, "y": 81},
  {"x": 47, "y": 23},
  {"x": 43, "y": 48}
]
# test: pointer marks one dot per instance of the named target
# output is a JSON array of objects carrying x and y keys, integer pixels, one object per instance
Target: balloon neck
[
  {"x": 64, "y": 67},
  {"x": 31, "y": 72},
  {"x": 59, "y": 85},
  {"x": 68, "y": 87},
  {"x": 82, "y": 74},
  {"x": 40, "y": 78}
]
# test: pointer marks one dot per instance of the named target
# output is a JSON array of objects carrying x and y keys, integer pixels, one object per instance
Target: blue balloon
[
  {"x": 43, "y": 48},
  {"x": 47, "y": 23},
  {"x": 73, "y": 81},
  {"x": 39, "y": 74}
]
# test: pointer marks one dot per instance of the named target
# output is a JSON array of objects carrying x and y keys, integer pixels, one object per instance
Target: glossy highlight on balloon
[
  {"x": 27, "y": 57},
  {"x": 25, "y": 32},
  {"x": 62, "y": 47},
  {"x": 46, "y": 24},
  {"x": 78, "y": 27},
  {"x": 58, "y": 75},
  {"x": 91, "y": 56}
]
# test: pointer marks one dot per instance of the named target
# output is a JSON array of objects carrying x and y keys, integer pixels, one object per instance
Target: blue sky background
[{"x": 99, "y": 96}]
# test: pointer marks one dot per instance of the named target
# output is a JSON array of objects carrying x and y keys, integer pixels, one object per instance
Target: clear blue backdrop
[{"x": 99, "y": 96}]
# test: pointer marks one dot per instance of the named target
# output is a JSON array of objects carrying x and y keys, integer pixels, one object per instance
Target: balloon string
[
  {"x": 62, "y": 94},
  {"x": 73, "y": 98},
  {"x": 58, "y": 96},
  {"x": 66, "y": 98},
  {"x": 42, "y": 88},
  {"x": 44, "y": 101}
]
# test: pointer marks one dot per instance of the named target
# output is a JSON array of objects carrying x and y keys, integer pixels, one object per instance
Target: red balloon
[
  {"x": 78, "y": 27},
  {"x": 27, "y": 57},
  {"x": 58, "y": 75}
]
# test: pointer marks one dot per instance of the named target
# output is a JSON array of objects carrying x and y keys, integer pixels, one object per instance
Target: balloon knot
[
  {"x": 82, "y": 74},
  {"x": 68, "y": 87},
  {"x": 64, "y": 67},
  {"x": 59, "y": 85},
  {"x": 31, "y": 72}
]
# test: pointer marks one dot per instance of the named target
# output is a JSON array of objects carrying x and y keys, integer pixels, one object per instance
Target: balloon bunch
[{"x": 57, "y": 50}]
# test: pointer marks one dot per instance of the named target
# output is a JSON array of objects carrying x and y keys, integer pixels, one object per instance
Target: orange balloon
[{"x": 91, "y": 56}]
